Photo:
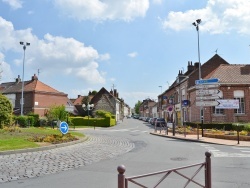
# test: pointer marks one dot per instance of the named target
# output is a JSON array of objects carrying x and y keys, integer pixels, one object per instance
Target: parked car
[
  {"x": 152, "y": 122},
  {"x": 147, "y": 119},
  {"x": 160, "y": 122}
]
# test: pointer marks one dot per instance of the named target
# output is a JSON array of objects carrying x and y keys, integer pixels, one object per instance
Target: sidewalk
[{"x": 194, "y": 138}]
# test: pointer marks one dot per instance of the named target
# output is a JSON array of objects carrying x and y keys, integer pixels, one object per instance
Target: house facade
[
  {"x": 146, "y": 108},
  {"x": 179, "y": 102},
  {"x": 38, "y": 97}
]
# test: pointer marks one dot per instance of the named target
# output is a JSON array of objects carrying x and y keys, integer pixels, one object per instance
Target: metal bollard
[
  {"x": 121, "y": 177},
  {"x": 208, "y": 176}
]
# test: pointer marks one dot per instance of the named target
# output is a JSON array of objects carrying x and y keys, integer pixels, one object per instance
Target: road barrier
[{"x": 123, "y": 181}]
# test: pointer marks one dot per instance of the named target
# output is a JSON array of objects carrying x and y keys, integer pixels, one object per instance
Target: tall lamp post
[
  {"x": 196, "y": 24},
  {"x": 87, "y": 108},
  {"x": 24, "y": 44}
]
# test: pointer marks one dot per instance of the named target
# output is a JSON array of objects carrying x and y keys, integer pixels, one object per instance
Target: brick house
[
  {"x": 38, "y": 97},
  {"x": 104, "y": 100},
  {"x": 178, "y": 102},
  {"x": 146, "y": 108}
]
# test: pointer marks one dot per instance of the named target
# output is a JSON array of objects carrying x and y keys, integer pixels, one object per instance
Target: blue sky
[{"x": 134, "y": 45}]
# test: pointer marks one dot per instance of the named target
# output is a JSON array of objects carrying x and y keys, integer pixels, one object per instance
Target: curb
[
  {"x": 193, "y": 140},
  {"x": 42, "y": 148}
]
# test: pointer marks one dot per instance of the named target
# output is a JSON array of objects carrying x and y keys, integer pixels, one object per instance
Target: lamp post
[
  {"x": 24, "y": 48},
  {"x": 87, "y": 108},
  {"x": 196, "y": 24}
]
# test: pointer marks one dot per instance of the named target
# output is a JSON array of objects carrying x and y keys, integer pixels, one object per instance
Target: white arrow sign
[
  {"x": 228, "y": 104},
  {"x": 207, "y": 92},
  {"x": 207, "y": 86},
  {"x": 207, "y": 103},
  {"x": 208, "y": 97}
]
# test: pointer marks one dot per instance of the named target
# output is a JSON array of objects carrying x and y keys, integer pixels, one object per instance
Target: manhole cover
[{"x": 178, "y": 159}]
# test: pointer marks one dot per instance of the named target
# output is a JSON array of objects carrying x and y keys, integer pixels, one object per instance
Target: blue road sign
[
  {"x": 208, "y": 81},
  {"x": 64, "y": 128}
]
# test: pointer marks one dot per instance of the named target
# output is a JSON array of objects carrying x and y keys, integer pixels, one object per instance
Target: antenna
[
  {"x": 113, "y": 87},
  {"x": 38, "y": 72}
]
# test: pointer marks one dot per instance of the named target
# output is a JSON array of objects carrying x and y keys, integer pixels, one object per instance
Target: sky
[{"x": 135, "y": 46}]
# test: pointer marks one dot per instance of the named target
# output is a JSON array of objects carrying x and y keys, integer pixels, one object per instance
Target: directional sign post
[
  {"x": 64, "y": 128},
  {"x": 208, "y": 81},
  {"x": 207, "y": 103},
  {"x": 207, "y": 92},
  {"x": 228, "y": 104}
]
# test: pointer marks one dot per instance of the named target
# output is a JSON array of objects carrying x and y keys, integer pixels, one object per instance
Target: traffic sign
[
  {"x": 207, "y": 92},
  {"x": 64, "y": 128},
  {"x": 206, "y": 86},
  {"x": 228, "y": 104},
  {"x": 208, "y": 81},
  {"x": 208, "y": 97},
  {"x": 207, "y": 103}
]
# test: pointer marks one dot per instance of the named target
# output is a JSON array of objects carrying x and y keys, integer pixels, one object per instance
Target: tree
[
  {"x": 5, "y": 110},
  {"x": 57, "y": 113},
  {"x": 137, "y": 107}
]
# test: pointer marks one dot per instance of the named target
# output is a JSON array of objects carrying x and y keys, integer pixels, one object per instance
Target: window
[
  {"x": 238, "y": 94},
  {"x": 218, "y": 111}
]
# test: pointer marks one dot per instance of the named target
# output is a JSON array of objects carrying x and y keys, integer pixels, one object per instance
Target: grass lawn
[{"x": 19, "y": 139}]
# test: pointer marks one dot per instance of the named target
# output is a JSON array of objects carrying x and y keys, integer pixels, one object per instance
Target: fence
[{"x": 123, "y": 181}]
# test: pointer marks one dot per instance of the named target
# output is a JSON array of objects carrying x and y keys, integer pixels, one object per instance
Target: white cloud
[
  {"x": 219, "y": 16},
  {"x": 133, "y": 54},
  {"x": 14, "y": 4},
  {"x": 157, "y": 2},
  {"x": 6, "y": 75},
  {"x": 104, "y": 57},
  {"x": 100, "y": 10},
  {"x": 53, "y": 53}
]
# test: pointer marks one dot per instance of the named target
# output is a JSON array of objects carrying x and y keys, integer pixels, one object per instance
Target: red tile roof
[{"x": 231, "y": 73}]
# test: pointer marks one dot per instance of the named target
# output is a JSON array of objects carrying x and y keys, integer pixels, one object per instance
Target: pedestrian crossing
[{"x": 239, "y": 151}]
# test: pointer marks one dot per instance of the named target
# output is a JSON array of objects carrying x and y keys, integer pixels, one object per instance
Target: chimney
[
  {"x": 78, "y": 96},
  {"x": 111, "y": 92},
  {"x": 34, "y": 77},
  {"x": 115, "y": 92},
  {"x": 18, "y": 79},
  {"x": 196, "y": 65},
  {"x": 190, "y": 67}
]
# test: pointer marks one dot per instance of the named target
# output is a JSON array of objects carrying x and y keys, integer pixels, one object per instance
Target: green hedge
[
  {"x": 221, "y": 126},
  {"x": 97, "y": 122},
  {"x": 25, "y": 121}
]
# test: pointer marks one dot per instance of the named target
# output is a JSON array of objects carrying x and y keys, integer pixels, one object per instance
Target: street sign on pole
[
  {"x": 208, "y": 97},
  {"x": 207, "y": 92},
  {"x": 207, "y": 103},
  {"x": 206, "y": 86},
  {"x": 64, "y": 128},
  {"x": 228, "y": 104},
  {"x": 208, "y": 81}
]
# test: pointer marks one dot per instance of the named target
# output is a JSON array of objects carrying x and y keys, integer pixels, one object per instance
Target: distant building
[{"x": 38, "y": 97}]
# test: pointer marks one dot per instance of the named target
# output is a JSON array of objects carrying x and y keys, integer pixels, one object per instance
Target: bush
[
  {"x": 5, "y": 111},
  {"x": 25, "y": 121}
]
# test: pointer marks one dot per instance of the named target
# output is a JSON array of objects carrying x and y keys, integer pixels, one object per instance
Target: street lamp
[
  {"x": 196, "y": 24},
  {"x": 24, "y": 48},
  {"x": 87, "y": 108}
]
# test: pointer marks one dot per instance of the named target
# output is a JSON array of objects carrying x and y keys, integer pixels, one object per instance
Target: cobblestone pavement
[{"x": 39, "y": 163}]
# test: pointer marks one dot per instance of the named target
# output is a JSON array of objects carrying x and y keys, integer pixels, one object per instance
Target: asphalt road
[{"x": 93, "y": 164}]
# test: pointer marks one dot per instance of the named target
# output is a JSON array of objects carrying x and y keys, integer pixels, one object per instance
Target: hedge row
[
  {"x": 97, "y": 122},
  {"x": 221, "y": 126}
]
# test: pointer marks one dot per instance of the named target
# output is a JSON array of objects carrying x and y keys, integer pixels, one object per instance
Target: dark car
[
  {"x": 160, "y": 122},
  {"x": 152, "y": 122}
]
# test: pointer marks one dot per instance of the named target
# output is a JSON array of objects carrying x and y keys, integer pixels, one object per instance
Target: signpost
[
  {"x": 208, "y": 81},
  {"x": 64, "y": 128},
  {"x": 228, "y": 104},
  {"x": 206, "y": 86},
  {"x": 207, "y": 92},
  {"x": 207, "y": 103}
]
